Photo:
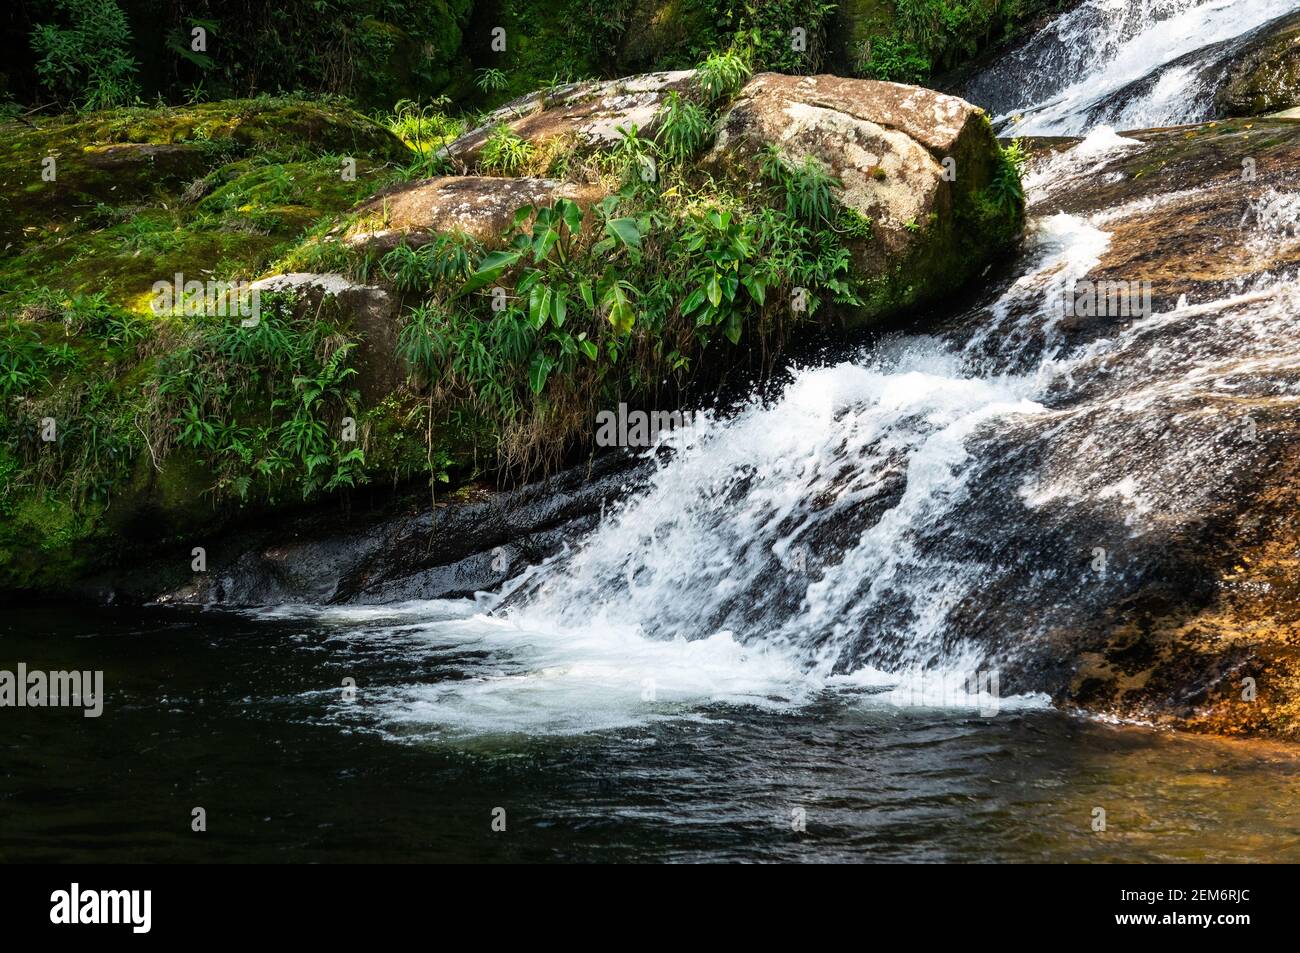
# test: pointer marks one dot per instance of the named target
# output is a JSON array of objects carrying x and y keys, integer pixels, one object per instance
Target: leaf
[
  {"x": 526, "y": 282},
  {"x": 732, "y": 328},
  {"x": 756, "y": 287},
  {"x": 625, "y": 230},
  {"x": 584, "y": 290},
  {"x": 729, "y": 286},
  {"x": 538, "y": 303},
  {"x": 571, "y": 212},
  {"x": 538, "y": 371},
  {"x": 621, "y": 313},
  {"x": 522, "y": 215},
  {"x": 713, "y": 289},
  {"x": 492, "y": 267},
  {"x": 560, "y": 309},
  {"x": 545, "y": 235},
  {"x": 587, "y": 347},
  {"x": 693, "y": 300}
]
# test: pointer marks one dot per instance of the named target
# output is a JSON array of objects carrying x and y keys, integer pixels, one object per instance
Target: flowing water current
[{"x": 831, "y": 604}]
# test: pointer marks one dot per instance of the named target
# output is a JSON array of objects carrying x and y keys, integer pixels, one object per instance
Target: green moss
[
  {"x": 45, "y": 542},
  {"x": 1266, "y": 76},
  {"x": 128, "y": 157},
  {"x": 255, "y": 178}
]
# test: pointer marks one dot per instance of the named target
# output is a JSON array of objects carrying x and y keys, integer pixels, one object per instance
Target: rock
[
  {"x": 122, "y": 156},
  {"x": 1265, "y": 76},
  {"x": 1205, "y": 595},
  {"x": 373, "y": 314},
  {"x": 1189, "y": 243},
  {"x": 472, "y": 540},
  {"x": 480, "y": 206},
  {"x": 915, "y": 162},
  {"x": 585, "y": 115}
]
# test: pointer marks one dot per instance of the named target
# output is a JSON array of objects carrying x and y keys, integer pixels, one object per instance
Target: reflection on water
[{"x": 242, "y": 716}]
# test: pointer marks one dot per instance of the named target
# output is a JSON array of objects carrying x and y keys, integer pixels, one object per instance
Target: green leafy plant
[
  {"x": 85, "y": 58},
  {"x": 684, "y": 127},
  {"x": 722, "y": 75},
  {"x": 505, "y": 152},
  {"x": 808, "y": 185},
  {"x": 425, "y": 127},
  {"x": 725, "y": 264},
  {"x": 1006, "y": 189},
  {"x": 853, "y": 224},
  {"x": 491, "y": 80},
  {"x": 261, "y": 402},
  {"x": 634, "y": 158}
]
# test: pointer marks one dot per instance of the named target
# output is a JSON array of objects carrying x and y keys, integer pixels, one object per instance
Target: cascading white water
[
  {"x": 889, "y": 524},
  {"x": 1131, "y": 64},
  {"x": 923, "y": 511}
]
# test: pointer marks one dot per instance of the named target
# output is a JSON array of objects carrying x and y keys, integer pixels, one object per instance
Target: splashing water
[
  {"x": 926, "y": 511},
  {"x": 885, "y": 528},
  {"x": 1128, "y": 63}
]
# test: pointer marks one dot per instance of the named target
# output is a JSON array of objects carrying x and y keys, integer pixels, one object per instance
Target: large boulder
[
  {"x": 584, "y": 115},
  {"x": 480, "y": 206},
  {"x": 916, "y": 163},
  {"x": 1265, "y": 76}
]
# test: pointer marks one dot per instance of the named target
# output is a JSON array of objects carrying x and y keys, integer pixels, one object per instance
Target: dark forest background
[{"x": 99, "y": 53}]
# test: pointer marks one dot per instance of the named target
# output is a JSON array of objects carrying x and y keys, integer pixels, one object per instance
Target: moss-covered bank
[{"x": 401, "y": 342}]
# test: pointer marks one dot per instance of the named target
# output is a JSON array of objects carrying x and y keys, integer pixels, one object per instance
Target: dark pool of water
[{"x": 228, "y": 713}]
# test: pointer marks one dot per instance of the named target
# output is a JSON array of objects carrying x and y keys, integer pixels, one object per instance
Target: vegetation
[
  {"x": 921, "y": 38},
  {"x": 99, "y": 53},
  {"x": 123, "y": 423},
  {"x": 85, "y": 58},
  {"x": 585, "y": 308}
]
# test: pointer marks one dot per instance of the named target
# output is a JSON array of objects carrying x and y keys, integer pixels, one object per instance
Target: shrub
[
  {"x": 505, "y": 152},
  {"x": 684, "y": 127},
  {"x": 86, "y": 60},
  {"x": 722, "y": 75}
]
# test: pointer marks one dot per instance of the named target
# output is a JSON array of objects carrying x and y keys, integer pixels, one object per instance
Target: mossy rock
[
  {"x": 127, "y": 156},
  {"x": 920, "y": 167},
  {"x": 1265, "y": 77},
  {"x": 193, "y": 207}
]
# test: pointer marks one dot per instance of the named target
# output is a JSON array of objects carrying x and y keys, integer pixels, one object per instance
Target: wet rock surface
[
  {"x": 1196, "y": 621},
  {"x": 472, "y": 540},
  {"x": 1265, "y": 76}
]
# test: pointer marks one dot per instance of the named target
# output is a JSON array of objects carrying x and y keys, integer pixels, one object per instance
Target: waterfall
[
  {"x": 1130, "y": 64},
  {"x": 935, "y": 505}
]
